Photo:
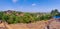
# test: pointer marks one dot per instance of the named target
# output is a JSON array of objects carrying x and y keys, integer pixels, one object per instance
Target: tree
[
  {"x": 54, "y": 12},
  {"x": 1, "y": 14}
]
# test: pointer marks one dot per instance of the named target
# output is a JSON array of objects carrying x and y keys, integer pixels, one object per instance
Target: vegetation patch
[{"x": 13, "y": 17}]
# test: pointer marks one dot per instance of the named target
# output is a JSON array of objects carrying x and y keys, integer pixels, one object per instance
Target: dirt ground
[
  {"x": 37, "y": 25},
  {"x": 53, "y": 24}
]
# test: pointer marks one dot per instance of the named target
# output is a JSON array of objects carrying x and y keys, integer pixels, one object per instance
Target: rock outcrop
[{"x": 50, "y": 24}]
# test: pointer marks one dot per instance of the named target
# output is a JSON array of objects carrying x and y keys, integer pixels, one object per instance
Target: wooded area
[{"x": 13, "y": 17}]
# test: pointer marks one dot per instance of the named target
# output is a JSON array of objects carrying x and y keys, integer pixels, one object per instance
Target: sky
[{"x": 30, "y": 5}]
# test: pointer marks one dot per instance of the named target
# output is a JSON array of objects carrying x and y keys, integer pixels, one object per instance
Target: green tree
[
  {"x": 54, "y": 12},
  {"x": 1, "y": 14}
]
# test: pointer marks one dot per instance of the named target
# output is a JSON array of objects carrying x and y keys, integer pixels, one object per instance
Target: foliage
[
  {"x": 54, "y": 12},
  {"x": 20, "y": 17}
]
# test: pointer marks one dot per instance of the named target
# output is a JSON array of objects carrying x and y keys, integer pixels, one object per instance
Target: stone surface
[{"x": 53, "y": 24}]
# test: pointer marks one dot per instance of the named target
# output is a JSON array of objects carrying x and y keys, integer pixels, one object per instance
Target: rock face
[
  {"x": 54, "y": 25},
  {"x": 50, "y": 24},
  {"x": 4, "y": 25}
]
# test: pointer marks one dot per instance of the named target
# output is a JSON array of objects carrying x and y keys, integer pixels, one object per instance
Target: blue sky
[{"x": 30, "y": 5}]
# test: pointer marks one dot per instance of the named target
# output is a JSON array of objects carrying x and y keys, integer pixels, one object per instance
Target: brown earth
[{"x": 53, "y": 24}]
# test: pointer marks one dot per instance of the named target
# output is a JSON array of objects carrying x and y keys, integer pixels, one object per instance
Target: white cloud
[
  {"x": 33, "y": 4},
  {"x": 14, "y": 1}
]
